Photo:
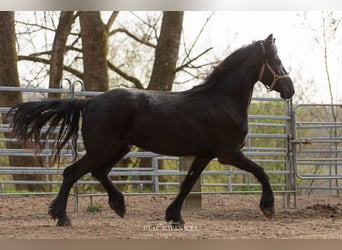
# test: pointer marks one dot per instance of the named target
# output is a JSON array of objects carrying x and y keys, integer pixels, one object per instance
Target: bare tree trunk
[
  {"x": 9, "y": 77},
  {"x": 95, "y": 47},
  {"x": 58, "y": 49},
  {"x": 165, "y": 61}
]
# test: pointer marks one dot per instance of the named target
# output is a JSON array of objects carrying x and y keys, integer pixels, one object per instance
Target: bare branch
[
  {"x": 67, "y": 48},
  {"x": 140, "y": 40},
  {"x": 39, "y": 27},
  {"x": 197, "y": 38},
  {"x": 187, "y": 64},
  {"x": 111, "y": 19},
  {"x": 41, "y": 53},
  {"x": 151, "y": 24},
  {"x": 77, "y": 14},
  {"x": 73, "y": 48},
  {"x": 132, "y": 79},
  {"x": 46, "y": 61},
  {"x": 203, "y": 65}
]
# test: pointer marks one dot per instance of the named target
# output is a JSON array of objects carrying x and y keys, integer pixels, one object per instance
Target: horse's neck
[{"x": 239, "y": 89}]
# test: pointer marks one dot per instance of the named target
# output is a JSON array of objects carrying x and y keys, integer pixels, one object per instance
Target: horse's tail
[{"x": 28, "y": 119}]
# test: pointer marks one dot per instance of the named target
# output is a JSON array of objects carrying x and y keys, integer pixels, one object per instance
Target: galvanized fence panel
[
  {"x": 318, "y": 142},
  {"x": 268, "y": 144}
]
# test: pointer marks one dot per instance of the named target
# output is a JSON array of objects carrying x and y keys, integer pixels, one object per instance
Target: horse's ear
[{"x": 269, "y": 40}]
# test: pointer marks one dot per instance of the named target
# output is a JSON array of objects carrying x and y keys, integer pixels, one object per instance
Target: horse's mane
[{"x": 234, "y": 60}]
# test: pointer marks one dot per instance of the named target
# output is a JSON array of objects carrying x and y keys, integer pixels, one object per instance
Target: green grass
[{"x": 94, "y": 208}]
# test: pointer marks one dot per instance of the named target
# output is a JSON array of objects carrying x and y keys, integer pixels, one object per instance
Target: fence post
[
  {"x": 290, "y": 157},
  {"x": 193, "y": 200},
  {"x": 155, "y": 177}
]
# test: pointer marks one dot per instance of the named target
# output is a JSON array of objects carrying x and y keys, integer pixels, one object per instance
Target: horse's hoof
[
  {"x": 173, "y": 214},
  {"x": 64, "y": 223},
  {"x": 178, "y": 224},
  {"x": 120, "y": 211},
  {"x": 268, "y": 212},
  {"x": 119, "y": 208},
  {"x": 175, "y": 219},
  {"x": 267, "y": 206}
]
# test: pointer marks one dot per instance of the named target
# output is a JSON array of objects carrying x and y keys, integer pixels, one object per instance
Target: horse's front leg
[
  {"x": 173, "y": 212},
  {"x": 267, "y": 198}
]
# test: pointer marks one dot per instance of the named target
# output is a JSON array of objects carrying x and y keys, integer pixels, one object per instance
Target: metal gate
[{"x": 318, "y": 147}]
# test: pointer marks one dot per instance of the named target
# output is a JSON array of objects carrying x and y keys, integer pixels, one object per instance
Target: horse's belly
[{"x": 168, "y": 145}]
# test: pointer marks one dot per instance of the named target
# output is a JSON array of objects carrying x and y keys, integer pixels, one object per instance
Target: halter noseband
[{"x": 276, "y": 76}]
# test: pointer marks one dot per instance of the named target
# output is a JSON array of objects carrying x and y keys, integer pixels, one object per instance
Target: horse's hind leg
[
  {"x": 116, "y": 199},
  {"x": 173, "y": 212},
  {"x": 70, "y": 175}
]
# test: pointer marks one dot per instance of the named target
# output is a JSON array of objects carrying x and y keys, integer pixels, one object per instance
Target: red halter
[{"x": 276, "y": 76}]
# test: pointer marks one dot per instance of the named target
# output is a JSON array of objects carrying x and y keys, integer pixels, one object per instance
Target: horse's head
[{"x": 272, "y": 72}]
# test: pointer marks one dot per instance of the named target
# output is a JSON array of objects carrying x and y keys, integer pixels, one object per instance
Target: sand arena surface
[{"x": 222, "y": 217}]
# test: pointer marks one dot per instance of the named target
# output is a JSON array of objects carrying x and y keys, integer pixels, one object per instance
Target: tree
[
  {"x": 58, "y": 49},
  {"x": 8, "y": 59},
  {"x": 9, "y": 77},
  {"x": 166, "y": 54},
  {"x": 94, "y": 35}
]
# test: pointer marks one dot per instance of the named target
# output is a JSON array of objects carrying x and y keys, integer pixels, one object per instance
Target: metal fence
[
  {"x": 318, "y": 142},
  {"x": 268, "y": 144}
]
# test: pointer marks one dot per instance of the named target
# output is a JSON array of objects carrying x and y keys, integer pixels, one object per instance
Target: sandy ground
[{"x": 222, "y": 217}]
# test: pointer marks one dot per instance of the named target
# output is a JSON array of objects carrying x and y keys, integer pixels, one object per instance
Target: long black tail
[{"x": 28, "y": 119}]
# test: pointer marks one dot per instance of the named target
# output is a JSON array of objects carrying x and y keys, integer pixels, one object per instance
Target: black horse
[{"x": 208, "y": 121}]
